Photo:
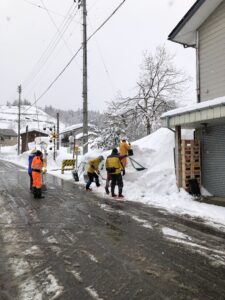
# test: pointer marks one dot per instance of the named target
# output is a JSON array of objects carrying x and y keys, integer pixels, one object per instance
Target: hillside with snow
[
  {"x": 34, "y": 117},
  {"x": 155, "y": 186}
]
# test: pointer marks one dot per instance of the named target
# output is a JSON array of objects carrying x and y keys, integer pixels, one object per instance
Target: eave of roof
[
  {"x": 185, "y": 31},
  {"x": 74, "y": 128},
  {"x": 33, "y": 130},
  {"x": 211, "y": 112}
]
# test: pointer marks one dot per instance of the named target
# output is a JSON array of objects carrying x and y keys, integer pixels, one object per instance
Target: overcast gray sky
[{"x": 33, "y": 52}]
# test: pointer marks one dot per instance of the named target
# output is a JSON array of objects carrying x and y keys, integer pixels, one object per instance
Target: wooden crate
[{"x": 191, "y": 164}]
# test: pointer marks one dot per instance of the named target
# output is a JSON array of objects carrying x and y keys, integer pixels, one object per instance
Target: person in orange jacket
[
  {"x": 37, "y": 165},
  {"x": 123, "y": 150}
]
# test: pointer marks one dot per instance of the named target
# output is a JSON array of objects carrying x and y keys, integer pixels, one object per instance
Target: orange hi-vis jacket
[
  {"x": 124, "y": 147},
  {"x": 36, "y": 166}
]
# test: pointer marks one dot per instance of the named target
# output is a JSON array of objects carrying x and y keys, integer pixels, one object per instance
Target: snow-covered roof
[
  {"x": 34, "y": 129},
  {"x": 80, "y": 135},
  {"x": 185, "y": 31},
  {"x": 75, "y": 127},
  {"x": 8, "y": 132},
  {"x": 211, "y": 112},
  {"x": 195, "y": 107}
]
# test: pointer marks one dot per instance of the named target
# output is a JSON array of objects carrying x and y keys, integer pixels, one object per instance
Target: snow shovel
[
  {"x": 86, "y": 178},
  {"x": 133, "y": 162},
  {"x": 101, "y": 176}
]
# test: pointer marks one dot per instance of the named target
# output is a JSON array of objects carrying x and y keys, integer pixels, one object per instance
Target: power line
[
  {"x": 110, "y": 16},
  {"x": 44, "y": 8},
  {"x": 53, "y": 22},
  {"x": 73, "y": 57},
  {"x": 104, "y": 64},
  {"x": 51, "y": 46}
]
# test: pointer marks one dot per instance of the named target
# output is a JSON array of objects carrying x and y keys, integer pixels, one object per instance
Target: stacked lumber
[{"x": 191, "y": 163}]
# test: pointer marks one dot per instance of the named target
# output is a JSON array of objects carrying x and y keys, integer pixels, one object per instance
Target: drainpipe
[
  {"x": 198, "y": 67},
  {"x": 178, "y": 162}
]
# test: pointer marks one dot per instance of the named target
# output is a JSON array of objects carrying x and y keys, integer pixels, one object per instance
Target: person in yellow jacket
[
  {"x": 36, "y": 166},
  {"x": 93, "y": 171},
  {"x": 114, "y": 168},
  {"x": 123, "y": 149}
]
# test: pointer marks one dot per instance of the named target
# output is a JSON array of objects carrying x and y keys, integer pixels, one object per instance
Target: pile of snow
[{"x": 155, "y": 186}]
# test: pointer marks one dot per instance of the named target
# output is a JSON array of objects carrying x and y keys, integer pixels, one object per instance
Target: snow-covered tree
[
  {"x": 158, "y": 87},
  {"x": 116, "y": 125}
]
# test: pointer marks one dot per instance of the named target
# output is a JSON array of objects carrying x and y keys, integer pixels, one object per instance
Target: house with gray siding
[
  {"x": 8, "y": 137},
  {"x": 203, "y": 29}
]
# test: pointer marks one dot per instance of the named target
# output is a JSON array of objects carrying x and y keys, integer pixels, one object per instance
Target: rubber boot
[
  {"x": 39, "y": 193},
  {"x": 107, "y": 190},
  {"x": 35, "y": 192},
  {"x": 113, "y": 192},
  {"x": 120, "y": 193}
]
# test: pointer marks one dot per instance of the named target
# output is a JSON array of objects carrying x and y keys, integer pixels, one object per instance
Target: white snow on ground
[
  {"x": 155, "y": 186},
  {"x": 216, "y": 257},
  {"x": 174, "y": 233}
]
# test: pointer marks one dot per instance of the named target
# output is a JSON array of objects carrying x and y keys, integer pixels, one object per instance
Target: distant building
[
  {"x": 79, "y": 137},
  {"x": 8, "y": 137},
  {"x": 29, "y": 137},
  {"x": 75, "y": 130}
]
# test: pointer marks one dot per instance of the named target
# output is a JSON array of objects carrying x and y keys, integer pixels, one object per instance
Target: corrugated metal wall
[
  {"x": 212, "y": 55},
  {"x": 213, "y": 159}
]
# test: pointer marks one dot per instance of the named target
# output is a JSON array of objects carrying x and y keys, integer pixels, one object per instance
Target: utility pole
[
  {"x": 84, "y": 93},
  {"x": 57, "y": 117},
  {"x": 54, "y": 137},
  {"x": 18, "y": 138},
  {"x": 26, "y": 147}
]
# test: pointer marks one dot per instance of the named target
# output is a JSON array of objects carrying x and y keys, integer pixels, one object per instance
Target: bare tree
[{"x": 159, "y": 86}]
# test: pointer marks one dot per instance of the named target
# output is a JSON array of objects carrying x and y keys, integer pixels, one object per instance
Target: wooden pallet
[{"x": 191, "y": 164}]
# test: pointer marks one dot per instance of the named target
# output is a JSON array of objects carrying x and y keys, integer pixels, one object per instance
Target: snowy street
[{"x": 75, "y": 245}]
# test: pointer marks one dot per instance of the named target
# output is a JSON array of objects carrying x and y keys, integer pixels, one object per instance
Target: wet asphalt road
[{"x": 75, "y": 245}]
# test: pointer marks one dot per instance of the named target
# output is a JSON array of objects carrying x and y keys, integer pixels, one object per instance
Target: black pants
[
  {"x": 116, "y": 179},
  {"x": 31, "y": 181},
  {"x": 91, "y": 177},
  {"x": 108, "y": 179},
  {"x": 37, "y": 192}
]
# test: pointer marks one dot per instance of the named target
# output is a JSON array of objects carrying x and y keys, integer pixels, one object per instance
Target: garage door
[{"x": 213, "y": 159}]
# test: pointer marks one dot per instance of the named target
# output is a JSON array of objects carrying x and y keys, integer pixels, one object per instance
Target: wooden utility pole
[
  {"x": 85, "y": 98},
  {"x": 54, "y": 137},
  {"x": 26, "y": 146},
  {"x": 82, "y": 3},
  {"x": 57, "y": 117},
  {"x": 19, "y": 113}
]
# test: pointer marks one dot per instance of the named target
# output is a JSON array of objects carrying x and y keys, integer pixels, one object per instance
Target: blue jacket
[{"x": 30, "y": 159}]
